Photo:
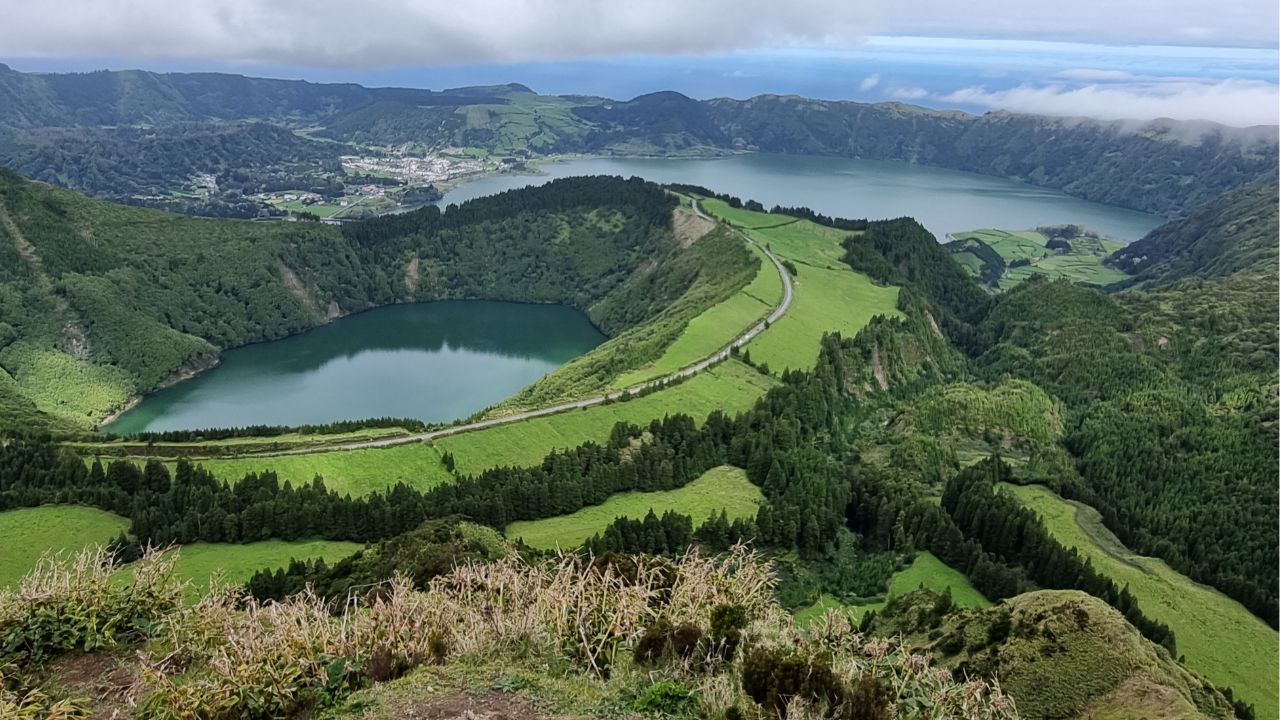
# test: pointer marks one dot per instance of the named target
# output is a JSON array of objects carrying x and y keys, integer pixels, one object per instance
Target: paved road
[{"x": 684, "y": 372}]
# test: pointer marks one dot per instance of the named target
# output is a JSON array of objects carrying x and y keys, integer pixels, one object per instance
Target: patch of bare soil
[
  {"x": 108, "y": 682},
  {"x": 411, "y": 275},
  {"x": 296, "y": 288},
  {"x": 877, "y": 369},
  {"x": 491, "y": 705},
  {"x": 933, "y": 323},
  {"x": 689, "y": 227}
]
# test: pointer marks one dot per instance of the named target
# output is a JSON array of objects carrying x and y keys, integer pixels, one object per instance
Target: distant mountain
[
  {"x": 1163, "y": 166},
  {"x": 1236, "y": 233},
  {"x": 132, "y": 97}
]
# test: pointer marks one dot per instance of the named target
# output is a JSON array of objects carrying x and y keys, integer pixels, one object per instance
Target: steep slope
[
  {"x": 1235, "y": 233},
  {"x": 1058, "y": 653}
]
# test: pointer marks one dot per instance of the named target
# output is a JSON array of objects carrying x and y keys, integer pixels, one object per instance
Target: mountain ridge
[{"x": 1146, "y": 166}]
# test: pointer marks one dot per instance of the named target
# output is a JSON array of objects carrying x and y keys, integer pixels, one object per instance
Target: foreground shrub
[
  {"x": 718, "y": 644},
  {"x": 80, "y": 603}
]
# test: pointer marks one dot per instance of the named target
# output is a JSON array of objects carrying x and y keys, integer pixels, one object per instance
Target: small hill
[
  {"x": 1235, "y": 233},
  {"x": 1059, "y": 653}
]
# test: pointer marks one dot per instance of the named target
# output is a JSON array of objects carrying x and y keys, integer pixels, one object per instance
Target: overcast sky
[{"x": 369, "y": 39}]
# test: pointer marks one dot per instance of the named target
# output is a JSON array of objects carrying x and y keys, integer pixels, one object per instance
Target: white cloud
[
  {"x": 869, "y": 82},
  {"x": 1095, "y": 75},
  {"x": 381, "y": 33},
  {"x": 909, "y": 93},
  {"x": 1230, "y": 102}
]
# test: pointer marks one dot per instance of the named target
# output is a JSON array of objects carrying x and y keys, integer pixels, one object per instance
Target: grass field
[
  {"x": 716, "y": 327},
  {"x": 200, "y": 562},
  {"x": 28, "y": 533},
  {"x": 925, "y": 571},
  {"x": 358, "y": 472},
  {"x": 828, "y": 295},
  {"x": 1083, "y": 264},
  {"x": 1220, "y": 638},
  {"x": 722, "y": 488},
  {"x": 730, "y": 386}
]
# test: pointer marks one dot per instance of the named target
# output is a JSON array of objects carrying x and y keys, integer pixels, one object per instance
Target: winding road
[{"x": 684, "y": 372}]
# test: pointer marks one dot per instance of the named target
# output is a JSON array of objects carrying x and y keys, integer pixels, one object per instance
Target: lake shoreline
[{"x": 185, "y": 374}]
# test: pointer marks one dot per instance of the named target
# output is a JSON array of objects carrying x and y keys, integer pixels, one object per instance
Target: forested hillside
[
  {"x": 128, "y": 162},
  {"x": 1163, "y": 167},
  {"x": 1235, "y": 233},
  {"x": 101, "y": 302}
]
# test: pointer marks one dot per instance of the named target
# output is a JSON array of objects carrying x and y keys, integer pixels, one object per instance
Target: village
[{"x": 411, "y": 169}]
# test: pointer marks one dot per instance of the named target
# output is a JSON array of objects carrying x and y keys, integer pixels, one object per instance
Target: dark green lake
[{"x": 432, "y": 361}]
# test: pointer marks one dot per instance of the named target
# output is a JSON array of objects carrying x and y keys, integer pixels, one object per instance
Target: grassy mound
[
  {"x": 1216, "y": 635},
  {"x": 1059, "y": 653},
  {"x": 722, "y": 488}
]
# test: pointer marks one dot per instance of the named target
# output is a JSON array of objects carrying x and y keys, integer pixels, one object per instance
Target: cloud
[
  {"x": 1093, "y": 74},
  {"x": 909, "y": 93},
  {"x": 1230, "y": 102},
  {"x": 869, "y": 82},
  {"x": 385, "y": 33}
]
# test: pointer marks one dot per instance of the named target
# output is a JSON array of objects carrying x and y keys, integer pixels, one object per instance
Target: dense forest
[
  {"x": 1148, "y": 168},
  {"x": 131, "y": 162}
]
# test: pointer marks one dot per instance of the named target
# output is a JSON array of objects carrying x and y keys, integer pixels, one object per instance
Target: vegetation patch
[
  {"x": 925, "y": 571},
  {"x": 354, "y": 472},
  {"x": 29, "y": 533},
  {"x": 200, "y": 563},
  {"x": 1000, "y": 259},
  {"x": 1218, "y": 637},
  {"x": 1061, "y": 653},
  {"x": 722, "y": 488}
]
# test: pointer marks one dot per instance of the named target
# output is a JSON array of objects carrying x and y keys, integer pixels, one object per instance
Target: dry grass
[{"x": 231, "y": 657}]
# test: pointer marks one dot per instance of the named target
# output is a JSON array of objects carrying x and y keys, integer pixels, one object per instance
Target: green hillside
[
  {"x": 1235, "y": 233},
  {"x": 29, "y": 533},
  {"x": 722, "y": 488},
  {"x": 1219, "y": 638},
  {"x": 103, "y": 302}
]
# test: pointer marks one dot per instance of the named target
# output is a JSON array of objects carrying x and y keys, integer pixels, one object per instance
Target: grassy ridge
[
  {"x": 828, "y": 296},
  {"x": 1219, "y": 637},
  {"x": 721, "y": 488},
  {"x": 28, "y": 533},
  {"x": 716, "y": 327},
  {"x": 926, "y": 570}
]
